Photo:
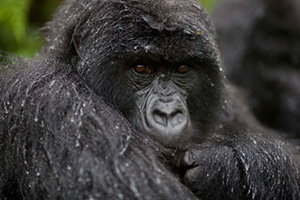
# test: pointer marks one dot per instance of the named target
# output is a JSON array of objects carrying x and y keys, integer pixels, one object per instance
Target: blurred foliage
[
  {"x": 21, "y": 22},
  {"x": 209, "y": 4}
]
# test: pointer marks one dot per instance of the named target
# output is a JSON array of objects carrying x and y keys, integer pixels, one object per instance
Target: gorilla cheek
[{"x": 168, "y": 120}]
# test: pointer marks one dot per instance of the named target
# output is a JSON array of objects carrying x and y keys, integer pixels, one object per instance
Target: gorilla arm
[
  {"x": 59, "y": 140},
  {"x": 240, "y": 159}
]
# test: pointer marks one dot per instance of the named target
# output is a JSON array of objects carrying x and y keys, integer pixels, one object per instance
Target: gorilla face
[
  {"x": 162, "y": 76},
  {"x": 161, "y": 90}
]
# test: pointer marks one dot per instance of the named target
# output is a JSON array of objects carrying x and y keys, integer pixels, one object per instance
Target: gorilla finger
[
  {"x": 187, "y": 160},
  {"x": 192, "y": 175}
]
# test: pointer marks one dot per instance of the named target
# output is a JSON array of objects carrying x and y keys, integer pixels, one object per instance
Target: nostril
[
  {"x": 160, "y": 117},
  {"x": 177, "y": 118}
]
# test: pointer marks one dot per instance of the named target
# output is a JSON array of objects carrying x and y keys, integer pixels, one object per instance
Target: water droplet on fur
[
  {"x": 81, "y": 171},
  {"x": 120, "y": 196},
  {"x": 51, "y": 84},
  {"x": 147, "y": 48},
  {"x": 6, "y": 111},
  {"x": 158, "y": 181},
  {"x": 23, "y": 103},
  {"x": 77, "y": 144}
]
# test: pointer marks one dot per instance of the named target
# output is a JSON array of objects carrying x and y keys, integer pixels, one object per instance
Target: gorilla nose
[
  {"x": 165, "y": 119},
  {"x": 169, "y": 122}
]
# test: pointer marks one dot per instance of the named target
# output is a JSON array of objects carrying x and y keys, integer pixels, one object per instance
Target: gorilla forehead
[
  {"x": 167, "y": 14},
  {"x": 111, "y": 26},
  {"x": 159, "y": 25},
  {"x": 186, "y": 16}
]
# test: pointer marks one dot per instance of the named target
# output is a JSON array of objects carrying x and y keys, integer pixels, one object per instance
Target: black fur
[{"x": 63, "y": 134}]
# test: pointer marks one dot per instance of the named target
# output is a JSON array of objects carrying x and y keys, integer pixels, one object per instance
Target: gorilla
[{"x": 128, "y": 100}]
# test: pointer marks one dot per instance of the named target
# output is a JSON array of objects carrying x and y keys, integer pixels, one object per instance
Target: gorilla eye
[
  {"x": 183, "y": 69},
  {"x": 143, "y": 69}
]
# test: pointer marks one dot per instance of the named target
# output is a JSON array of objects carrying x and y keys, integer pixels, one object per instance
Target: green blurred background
[{"x": 21, "y": 22}]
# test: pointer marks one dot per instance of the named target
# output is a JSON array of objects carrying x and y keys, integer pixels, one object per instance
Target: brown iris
[
  {"x": 142, "y": 69},
  {"x": 183, "y": 69}
]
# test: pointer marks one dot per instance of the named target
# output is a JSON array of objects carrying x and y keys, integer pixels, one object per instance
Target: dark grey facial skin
[{"x": 161, "y": 101}]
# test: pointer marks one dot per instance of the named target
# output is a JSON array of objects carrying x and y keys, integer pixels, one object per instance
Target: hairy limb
[{"x": 59, "y": 140}]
